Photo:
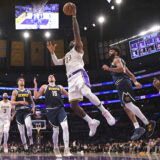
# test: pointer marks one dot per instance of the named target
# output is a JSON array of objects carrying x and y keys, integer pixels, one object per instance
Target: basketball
[{"x": 68, "y": 8}]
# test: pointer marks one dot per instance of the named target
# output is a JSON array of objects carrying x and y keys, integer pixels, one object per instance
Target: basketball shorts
[
  {"x": 21, "y": 115},
  {"x": 4, "y": 125},
  {"x": 56, "y": 116},
  {"x": 125, "y": 91},
  {"x": 75, "y": 83}
]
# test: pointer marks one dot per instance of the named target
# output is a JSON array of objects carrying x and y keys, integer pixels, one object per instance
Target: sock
[
  {"x": 64, "y": 126},
  {"x": 55, "y": 136},
  {"x": 30, "y": 140},
  {"x": 88, "y": 119},
  {"x": 5, "y": 138},
  {"x": 1, "y": 135},
  {"x": 25, "y": 147},
  {"x": 136, "y": 125},
  {"x": 137, "y": 112}
]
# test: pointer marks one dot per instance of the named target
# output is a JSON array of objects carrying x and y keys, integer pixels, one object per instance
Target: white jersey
[
  {"x": 5, "y": 110},
  {"x": 73, "y": 61}
]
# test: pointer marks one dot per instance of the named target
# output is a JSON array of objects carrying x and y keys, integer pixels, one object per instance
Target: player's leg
[
  {"x": 28, "y": 123},
  {"x": 92, "y": 123},
  {"x": 62, "y": 119},
  {"x": 6, "y": 135},
  {"x": 127, "y": 97},
  {"x": 51, "y": 116},
  {"x": 21, "y": 128},
  {"x": 1, "y": 131},
  {"x": 75, "y": 96},
  {"x": 86, "y": 91}
]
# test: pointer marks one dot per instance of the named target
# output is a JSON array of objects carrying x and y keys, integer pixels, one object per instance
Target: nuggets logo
[
  {"x": 53, "y": 89},
  {"x": 127, "y": 98},
  {"x": 22, "y": 95}
]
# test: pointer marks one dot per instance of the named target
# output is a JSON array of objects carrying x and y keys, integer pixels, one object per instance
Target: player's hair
[
  {"x": 20, "y": 78},
  {"x": 115, "y": 49}
]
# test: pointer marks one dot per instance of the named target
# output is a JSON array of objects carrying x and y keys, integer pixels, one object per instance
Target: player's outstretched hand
[
  {"x": 74, "y": 12},
  {"x": 138, "y": 85},
  {"x": 35, "y": 81},
  {"x": 105, "y": 67},
  {"x": 51, "y": 47}
]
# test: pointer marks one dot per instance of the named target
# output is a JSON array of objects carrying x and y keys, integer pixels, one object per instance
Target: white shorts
[
  {"x": 75, "y": 83},
  {"x": 4, "y": 125}
]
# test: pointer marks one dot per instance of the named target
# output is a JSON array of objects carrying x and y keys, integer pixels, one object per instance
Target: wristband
[
  {"x": 73, "y": 16},
  {"x": 136, "y": 83}
]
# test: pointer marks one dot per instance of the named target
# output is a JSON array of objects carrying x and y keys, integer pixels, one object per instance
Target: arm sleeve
[{"x": 57, "y": 61}]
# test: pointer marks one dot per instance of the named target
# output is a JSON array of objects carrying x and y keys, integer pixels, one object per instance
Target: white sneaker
[
  {"x": 93, "y": 127},
  {"x": 57, "y": 153},
  {"x": 110, "y": 119},
  {"x": 5, "y": 149},
  {"x": 67, "y": 152}
]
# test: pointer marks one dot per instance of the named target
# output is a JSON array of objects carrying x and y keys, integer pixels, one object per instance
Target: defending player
[
  {"x": 121, "y": 76},
  {"x": 5, "y": 120},
  {"x": 22, "y": 99},
  {"x": 78, "y": 81},
  {"x": 55, "y": 112}
]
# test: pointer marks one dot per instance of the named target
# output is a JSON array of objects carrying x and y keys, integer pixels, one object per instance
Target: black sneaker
[
  {"x": 150, "y": 128},
  {"x": 138, "y": 133}
]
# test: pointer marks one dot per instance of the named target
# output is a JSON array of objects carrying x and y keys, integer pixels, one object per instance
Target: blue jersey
[{"x": 117, "y": 77}]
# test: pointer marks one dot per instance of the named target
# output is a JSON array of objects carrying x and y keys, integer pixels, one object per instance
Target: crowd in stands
[{"x": 151, "y": 146}]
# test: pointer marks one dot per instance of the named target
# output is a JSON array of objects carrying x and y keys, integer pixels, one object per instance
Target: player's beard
[
  {"x": 5, "y": 98},
  {"x": 111, "y": 58}
]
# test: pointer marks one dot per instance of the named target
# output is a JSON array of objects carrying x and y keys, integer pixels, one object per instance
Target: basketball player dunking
[
  {"x": 78, "y": 81},
  {"x": 5, "y": 120},
  {"x": 55, "y": 112},
  {"x": 22, "y": 98},
  {"x": 121, "y": 76}
]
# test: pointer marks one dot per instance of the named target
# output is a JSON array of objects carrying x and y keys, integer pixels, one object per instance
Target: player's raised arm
[
  {"x": 13, "y": 100},
  {"x": 39, "y": 93},
  {"x": 51, "y": 49},
  {"x": 64, "y": 92},
  {"x": 76, "y": 31}
]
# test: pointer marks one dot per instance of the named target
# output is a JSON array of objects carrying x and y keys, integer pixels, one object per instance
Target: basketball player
[
  {"x": 55, "y": 112},
  {"x": 5, "y": 118},
  {"x": 156, "y": 83},
  {"x": 78, "y": 81},
  {"x": 121, "y": 76},
  {"x": 22, "y": 99}
]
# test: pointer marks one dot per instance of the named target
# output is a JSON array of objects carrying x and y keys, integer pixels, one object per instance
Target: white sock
[
  {"x": 64, "y": 126},
  {"x": 1, "y": 135},
  {"x": 31, "y": 141},
  {"x": 26, "y": 147},
  {"x": 137, "y": 112},
  {"x": 55, "y": 136},
  {"x": 88, "y": 119},
  {"x": 5, "y": 138},
  {"x": 136, "y": 125}
]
